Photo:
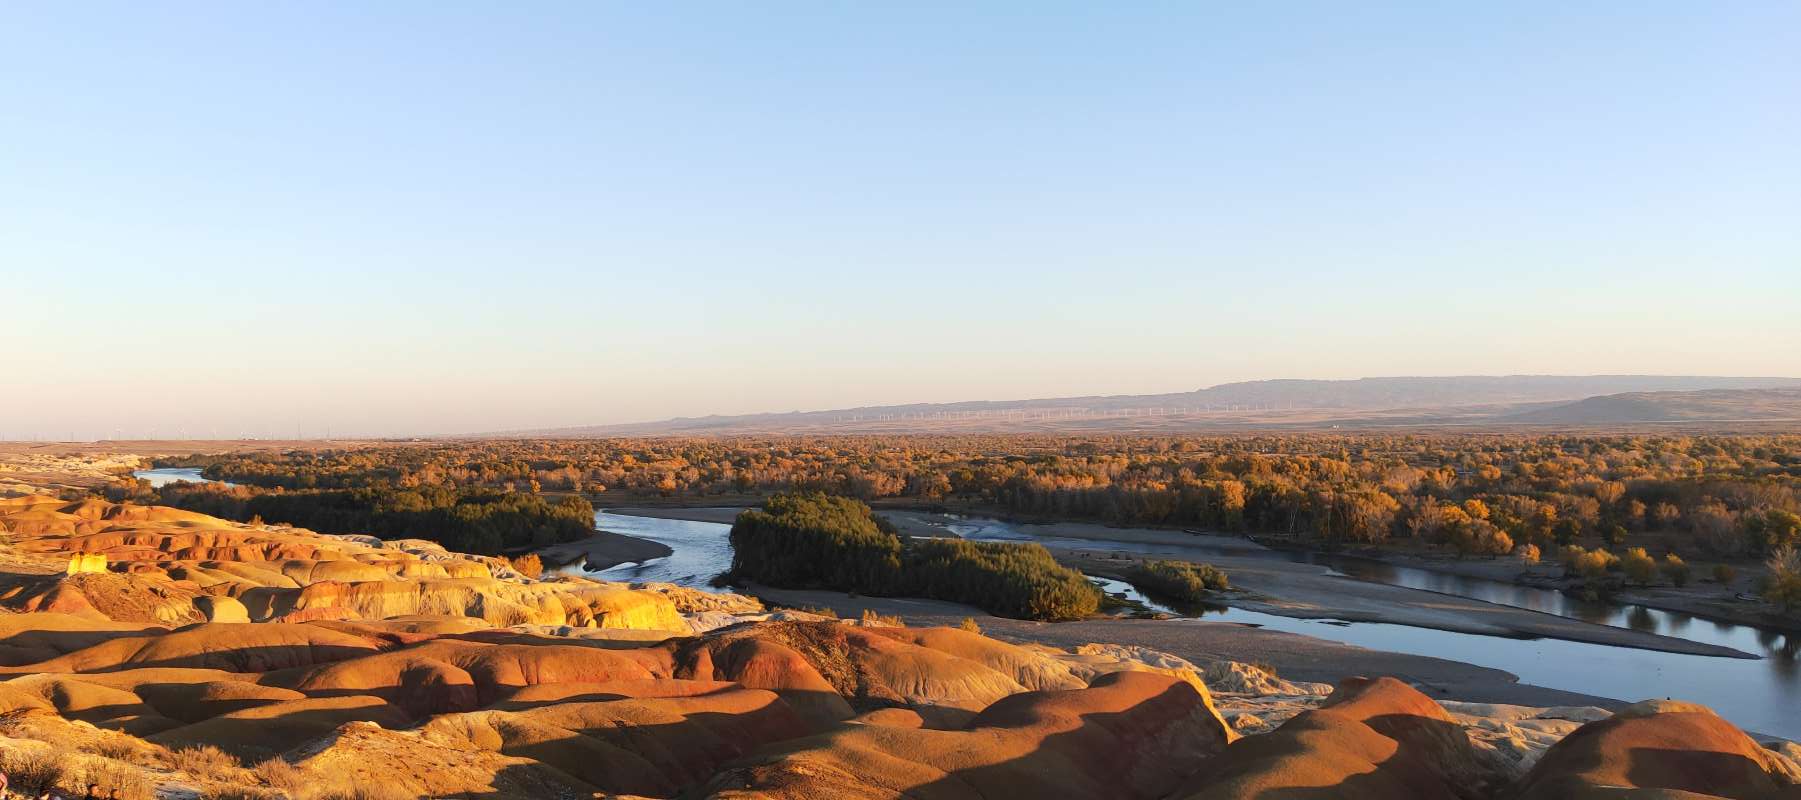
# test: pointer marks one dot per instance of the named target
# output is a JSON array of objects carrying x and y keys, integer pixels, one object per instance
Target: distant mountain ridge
[
  {"x": 1284, "y": 402},
  {"x": 1718, "y": 405}
]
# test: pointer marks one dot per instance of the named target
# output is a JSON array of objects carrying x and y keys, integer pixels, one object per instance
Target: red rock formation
[
  {"x": 1374, "y": 739},
  {"x": 1664, "y": 749}
]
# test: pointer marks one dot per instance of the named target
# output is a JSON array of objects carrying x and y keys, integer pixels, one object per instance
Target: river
[
  {"x": 164, "y": 476},
  {"x": 1758, "y": 694}
]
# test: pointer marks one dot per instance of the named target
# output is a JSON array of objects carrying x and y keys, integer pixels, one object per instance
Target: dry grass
[
  {"x": 113, "y": 779},
  {"x": 360, "y": 793},
  {"x": 207, "y": 763},
  {"x": 120, "y": 747},
  {"x": 969, "y": 624},
  {"x": 870, "y": 617},
  {"x": 817, "y": 611},
  {"x": 528, "y": 565},
  {"x": 277, "y": 773},
  {"x": 240, "y": 793},
  {"x": 33, "y": 772}
]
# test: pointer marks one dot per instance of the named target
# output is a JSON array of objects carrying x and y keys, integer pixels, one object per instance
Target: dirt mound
[
  {"x": 640, "y": 746},
  {"x": 268, "y": 730},
  {"x": 880, "y": 667},
  {"x": 1131, "y": 735},
  {"x": 1028, "y": 668},
  {"x": 411, "y": 764},
  {"x": 1672, "y": 747},
  {"x": 1374, "y": 739},
  {"x": 447, "y": 676},
  {"x": 235, "y": 648},
  {"x": 31, "y": 638}
]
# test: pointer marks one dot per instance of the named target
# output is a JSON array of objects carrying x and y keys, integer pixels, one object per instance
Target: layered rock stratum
[{"x": 165, "y": 653}]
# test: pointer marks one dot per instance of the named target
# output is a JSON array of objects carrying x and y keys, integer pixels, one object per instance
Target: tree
[
  {"x": 1783, "y": 586},
  {"x": 1772, "y": 530},
  {"x": 1568, "y": 530},
  {"x": 1529, "y": 554},
  {"x": 1639, "y": 567},
  {"x": 1616, "y": 535},
  {"x": 1675, "y": 569},
  {"x": 1724, "y": 574}
]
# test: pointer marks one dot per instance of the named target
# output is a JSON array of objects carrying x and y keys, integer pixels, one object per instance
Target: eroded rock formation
[{"x": 357, "y": 663}]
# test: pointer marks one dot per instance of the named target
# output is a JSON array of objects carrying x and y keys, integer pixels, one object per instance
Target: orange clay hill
[{"x": 162, "y": 653}]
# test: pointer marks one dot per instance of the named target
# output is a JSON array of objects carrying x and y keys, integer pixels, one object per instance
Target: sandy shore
[
  {"x": 1294, "y": 656},
  {"x": 1303, "y": 591},
  {"x": 602, "y": 550},
  {"x": 1702, "y": 598}
]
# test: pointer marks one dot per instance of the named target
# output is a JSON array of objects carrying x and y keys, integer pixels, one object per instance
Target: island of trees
[{"x": 817, "y": 541}]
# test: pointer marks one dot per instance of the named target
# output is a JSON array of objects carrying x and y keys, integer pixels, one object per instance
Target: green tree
[{"x": 1783, "y": 585}]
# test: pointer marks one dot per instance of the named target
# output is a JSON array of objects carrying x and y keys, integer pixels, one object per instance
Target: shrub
[
  {"x": 121, "y": 747},
  {"x": 240, "y": 793},
  {"x": 112, "y": 779},
  {"x": 279, "y": 774},
  {"x": 1178, "y": 581},
  {"x": 347, "y": 790},
  {"x": 870, "y": 617},
  {"x": 1724, "y": 574},
  {"x": 1675, "y": 569},
  {"x": 528, "y": 565},
  {"x": 818, "y": 611},
  {"x": 969, "y": 624},
  {"x": 32, "y": 771},
  {"x": 207, "y": 763}
]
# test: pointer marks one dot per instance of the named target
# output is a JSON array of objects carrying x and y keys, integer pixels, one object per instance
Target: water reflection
[
  {"x": 1120, "y": 590},
  {"x": 1760, "y": 695},
  {"x": 701, "y": 551},
  {"x": 167, "y": 475},
  {"x": 1747, "y": 638}
]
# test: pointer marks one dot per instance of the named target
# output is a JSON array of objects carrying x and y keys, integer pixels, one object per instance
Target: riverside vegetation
[
  {"x": 1726, "y": 498},
  {"x": 467, "y": 519},
  {"x": 1179, "y": 582},
  {"x": 817, "y": 541}
]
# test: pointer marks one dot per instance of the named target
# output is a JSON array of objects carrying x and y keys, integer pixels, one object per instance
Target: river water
[
  {"x": 1746, "y": 638},
  {"x": 167, "y": 475},
  {"x": 1762, "y": 694}
]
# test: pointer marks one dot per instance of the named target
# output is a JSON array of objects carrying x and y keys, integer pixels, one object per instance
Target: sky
[{"x": 262, "y": 219}]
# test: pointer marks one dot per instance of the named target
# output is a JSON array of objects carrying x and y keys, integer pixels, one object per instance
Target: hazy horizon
[{"x": 414, "y": 219}]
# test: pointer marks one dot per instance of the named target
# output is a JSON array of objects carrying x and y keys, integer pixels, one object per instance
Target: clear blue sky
[{"x": 447, "y": 216}]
